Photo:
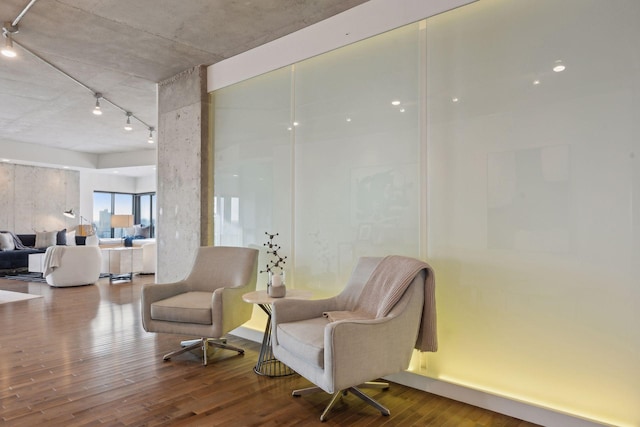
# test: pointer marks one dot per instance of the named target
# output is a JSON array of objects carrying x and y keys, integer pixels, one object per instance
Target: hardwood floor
[{"x": 79, "y": 357}]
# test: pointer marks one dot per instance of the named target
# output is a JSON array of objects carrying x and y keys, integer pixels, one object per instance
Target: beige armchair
[
  {"x": 366, "y": 332},
  {"x": 208, "y": 303}
]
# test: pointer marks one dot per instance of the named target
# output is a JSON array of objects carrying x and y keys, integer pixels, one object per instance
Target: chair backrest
[
  {"x": 223, "y": 266},
  {"x": 348, "y": 298}
]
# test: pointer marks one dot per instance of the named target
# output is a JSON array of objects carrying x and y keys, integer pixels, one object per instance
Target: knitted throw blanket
[
  {"x": 383, "y": 290},
  {"x": 52, "y": 259}
]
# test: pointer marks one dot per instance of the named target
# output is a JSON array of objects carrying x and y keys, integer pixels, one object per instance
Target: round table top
[{"x": 261, "y": 297}]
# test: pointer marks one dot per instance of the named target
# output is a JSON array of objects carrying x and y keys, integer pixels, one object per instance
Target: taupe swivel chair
[
  {"x": 208, "y": 303},
  {"x": 366, "y": 332}
]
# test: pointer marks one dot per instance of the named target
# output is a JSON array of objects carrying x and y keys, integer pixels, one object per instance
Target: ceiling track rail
[{"x": 11, "y": 27}]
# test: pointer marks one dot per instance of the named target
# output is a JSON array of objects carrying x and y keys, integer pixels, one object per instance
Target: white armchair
[
  {"x": 72, "y": 265},
  {"x": 342, "y": 342}
]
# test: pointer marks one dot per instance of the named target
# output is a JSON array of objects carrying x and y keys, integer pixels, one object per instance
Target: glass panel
[
  {"x": 356, "y": 157},
  {"x": 253, "y": 162},
  {"x": 145, "y": 209},
  {"x": 533, "y": 202},
  {"x": 123, "y": 204},
  {"x": 102, "y": 213}
]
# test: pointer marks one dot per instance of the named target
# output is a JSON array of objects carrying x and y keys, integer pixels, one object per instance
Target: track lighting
[
  {"x": 10, "y": 28},
  {"x": 97, "y": 110},
  {"x": 127, "y": 125}
]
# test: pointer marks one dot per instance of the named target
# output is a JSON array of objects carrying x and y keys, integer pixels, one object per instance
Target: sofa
[{"x": 17, "y": 260}]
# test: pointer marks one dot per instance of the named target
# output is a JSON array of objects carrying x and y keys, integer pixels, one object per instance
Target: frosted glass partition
[
  {"x": 252, "y": 178},
  {"x": 324, "y": 158},
  {"x": 356, "y": 157},
  {"x": 533, "y": 201},
  {"x": 530, "y": 178}
]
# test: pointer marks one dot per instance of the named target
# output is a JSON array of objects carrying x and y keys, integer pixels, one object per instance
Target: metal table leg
[{"x": 267, "y": 364}]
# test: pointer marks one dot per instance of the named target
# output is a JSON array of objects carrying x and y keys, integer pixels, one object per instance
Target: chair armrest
[
  {"x": 293, "y": 310},
  {"x": 230, "y": 307},
  {"x": 156, "y": 292},
  {"x": 357, "y": 351}
]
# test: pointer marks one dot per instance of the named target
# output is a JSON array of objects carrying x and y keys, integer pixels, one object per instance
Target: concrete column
[{"x": 185, "y": 179}]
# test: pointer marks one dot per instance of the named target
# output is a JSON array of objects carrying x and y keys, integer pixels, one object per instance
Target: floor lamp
[{"x": 83, "y": 230}]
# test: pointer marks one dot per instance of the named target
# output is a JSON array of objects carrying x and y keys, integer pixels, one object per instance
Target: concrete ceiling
[{"x": 122, "y": 49}]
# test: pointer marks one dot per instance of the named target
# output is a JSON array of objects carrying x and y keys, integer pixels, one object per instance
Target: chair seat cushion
[
  {"x": 189, "y": 307},
  {"x": 304, "y": 339}
]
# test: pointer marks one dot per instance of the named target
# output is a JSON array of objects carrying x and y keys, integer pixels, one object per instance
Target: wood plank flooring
[{"x": 79, "y": 357}]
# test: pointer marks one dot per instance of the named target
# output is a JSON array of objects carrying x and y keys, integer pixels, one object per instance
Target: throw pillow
[
  {"x": 61, "y": 237},
  {"x": 6, "y": 242},
  {"x": 71, "y": 238},
  {"x": 44, "y": 239},
  {"x": 142, "y": 231}
]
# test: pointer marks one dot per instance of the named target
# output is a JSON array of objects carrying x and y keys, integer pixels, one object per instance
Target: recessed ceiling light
[
  {"x": 454, "y": 99},
  {"x": 402, "y": 110},
  {"x": 348, "y": 119},
  {"x": 296, "y": 123},
  {"x": 559, "y": 67},
  {"x": 289, "y": 128},
  {"x": 395, "y": 102},
  {"x": 536, "y": 82}
]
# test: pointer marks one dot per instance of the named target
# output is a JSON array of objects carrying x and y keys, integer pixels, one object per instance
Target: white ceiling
[{"x": 122, "y": 49}]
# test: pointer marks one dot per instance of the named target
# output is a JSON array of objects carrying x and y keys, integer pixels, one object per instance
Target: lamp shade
[{"x": 121, "y": 221}]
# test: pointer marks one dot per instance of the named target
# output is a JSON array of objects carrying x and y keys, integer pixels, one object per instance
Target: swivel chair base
[
  {"x": 354, "y": 390},
  {"x": 203, "y": 344}
]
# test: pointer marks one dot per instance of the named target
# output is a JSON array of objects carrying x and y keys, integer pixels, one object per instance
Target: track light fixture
[
  {"x": 150, "y": 140},
  {"x": 127, "y": 125},
  {"x": 97, "y": 110},
  {"x": 8, "y": 49},
  {"x": 7, "y": 30}
]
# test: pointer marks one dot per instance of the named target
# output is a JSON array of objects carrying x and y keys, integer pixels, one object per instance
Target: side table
[
  {"x": 36, "y": 263},
  {"x": 121, "y": 262},
  {"x": 267, "y": 364}
]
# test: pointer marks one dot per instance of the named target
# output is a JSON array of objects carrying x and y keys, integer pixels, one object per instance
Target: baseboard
[
  {"x": 513, "y": 408},
  {"x": 492, "y": 402}
]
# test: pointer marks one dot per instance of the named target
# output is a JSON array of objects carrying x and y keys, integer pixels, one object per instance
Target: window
[{"x": 105, "y": 204}]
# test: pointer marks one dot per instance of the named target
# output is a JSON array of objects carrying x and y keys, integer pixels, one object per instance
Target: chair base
[
  {"x": 354, "y": 390},
  {"x": 203, "y": 344}
]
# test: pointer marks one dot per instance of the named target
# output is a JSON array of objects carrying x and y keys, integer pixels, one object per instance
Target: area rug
[
  {"x": 27, "y": 277},
  {"x": 35, "y": 277},
  {"x": 9, "y": 296}
]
